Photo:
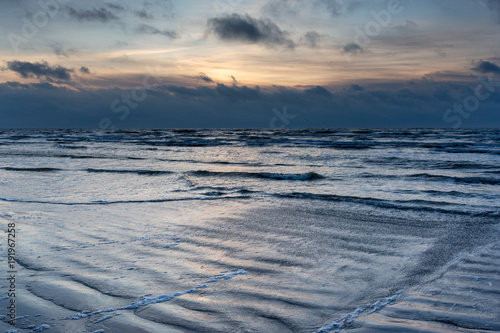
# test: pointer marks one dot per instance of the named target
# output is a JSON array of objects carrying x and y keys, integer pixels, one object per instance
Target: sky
[{"x": 249, "y": 64}]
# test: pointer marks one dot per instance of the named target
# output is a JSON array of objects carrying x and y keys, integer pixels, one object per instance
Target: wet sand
[{"x": 259, "y": 268}]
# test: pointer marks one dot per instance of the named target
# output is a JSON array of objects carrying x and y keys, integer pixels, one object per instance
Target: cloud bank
[{"x": 417, "y": 103}]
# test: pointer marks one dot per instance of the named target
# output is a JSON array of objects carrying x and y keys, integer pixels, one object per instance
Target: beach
[{"x": 137, "y": 235}]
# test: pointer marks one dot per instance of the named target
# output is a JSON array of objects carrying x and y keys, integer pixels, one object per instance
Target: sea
[{"x": 253, "y": 230}]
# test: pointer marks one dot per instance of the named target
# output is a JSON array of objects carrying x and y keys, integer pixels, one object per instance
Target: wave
[
  {"x": 102, "y": 202},
  {"x": 49, "y": 154},
  {"x": 440, "y": 178},
  {"x": 461, "y": 180},
  {"x": 52, "y": 155},
  {"x": 348, "y": 145},
  {"x": 66, "y": 146},
  {"x": 256, "y": 164},
  {"x": 443, "y": 193},
  {"x": 138, "y": 172},
  {"x": 184, "y": 142},
  {"x": 260, "y": 175},
  {"x": 413, "y": 205},
  {"x": 470, "y": 151},
  {"x": 31, "y": 169},
  {"x": 422, "y": 163},
  {"x": 461, "y": 165}
]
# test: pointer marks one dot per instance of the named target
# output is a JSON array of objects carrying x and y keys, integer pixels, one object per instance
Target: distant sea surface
[{"x": 442, "y": 171}]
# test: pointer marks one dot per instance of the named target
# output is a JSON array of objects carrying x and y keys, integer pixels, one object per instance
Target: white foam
[
  {"x": 346, "y": 319},
  {"x": 41, "y": 328},
  {"x": 349, "y": 317},
  {"x": 379, "y": 305},
  {"x": 85, "y": 314},
  {"x": 227, "y": 276},
  {"x": 159, "y": 299},
  {"x": 106, "y": 318}
]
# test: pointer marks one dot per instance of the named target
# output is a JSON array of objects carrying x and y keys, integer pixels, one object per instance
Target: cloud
[
  {"x": 356, "y": 87},
  {"x": 278, "y": 8},
  {"x": 194, "y": 92},
  {"x": 120, "y": 43},
  {"x": 40, "y": 70},
  {"x": 494, "y": 5},
  {"x": 407, "y": 27},
  {"x": 59, "y": 50},
  {"x": 236, "y": 93},
  {"x": 91, "y": 15},
  {"x": 311, "y": 39},
  {"x": 439, "y": 51},
  {"x": 151, "y": 9},
  {"x": 150, "y": 30},
  {"x": 84, "y": 70},
  {"x": 340, "y": 7},
  {"x": 352, "y": 48},
  {"x": 142, "y": 13},
  {"x": 485, "y": 67},
  {"x": 204, "y": 77},
  {"x": 244, "y": 28},
  {"x": 318, "y": 90},
  {"x": 16, "y": 85},
  {"x": 115, "y": 7},
  {"x": 420, "y": 103},
  {"x": 165, "y": 6}
]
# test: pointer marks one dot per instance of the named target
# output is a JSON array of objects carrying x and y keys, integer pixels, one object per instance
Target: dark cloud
[
  {"x": 43, "y": 85},
  {"x": 352, "y": 48},
  {"x": 204, "y": 77},
  {"x": 356, "y": 87},
  {"x": 485, "y": 67},
  {"x": 16, "y": 85},
  {"x": 40, "y": 70},
  {"x": 318, "y": 90},
  {"x": 84, "y": 70},
  {"x": 91, "y": 15},
  {"x": 150, "y": 30},
  {"x": 236, "y": 93},
  {"x": 244, "y": 28},
  {"x": 194, "y": 92},
  {"x": 311, "y": 39}
]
